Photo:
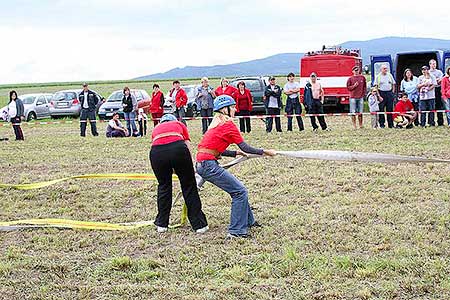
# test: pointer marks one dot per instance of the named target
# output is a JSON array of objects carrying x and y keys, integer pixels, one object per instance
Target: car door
[
  {"x": 446, "y": 61},
  {"x": 48, "y": 99},
  {"x": 376, "y": 61},
  {"x": 41, "y": 107}
]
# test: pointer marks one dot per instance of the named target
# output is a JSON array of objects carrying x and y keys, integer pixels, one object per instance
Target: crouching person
[
  {"x": 221, "y": 133},
  {"x": 404, "y": 113},
  {"x": 115, "y": 128},
  {"x": 170, "y": 152}
]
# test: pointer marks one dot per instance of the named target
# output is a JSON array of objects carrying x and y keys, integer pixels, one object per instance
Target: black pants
[
  {"x": 205, "y": 122},
  {"x": 388, "y": 105},
  {"x": 86, "y": 114},
  {"x": 269, "y": 120},
  {"x": 164, "y": 160},
  {"x": 17, "y": 129},
  {"x": 416, "y": 108},
  {"x": 317, "y": 108},
  {"x": 142, "y": 127},
  {"x": 439, "y": 106},
  {"x": 244, "y": 123},
  {"x": 293, "y": 106}
]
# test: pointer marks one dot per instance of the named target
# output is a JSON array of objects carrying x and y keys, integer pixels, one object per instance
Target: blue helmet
[
  {"x": 167, "y": 118},
  {"x": 223, "y": 101}
]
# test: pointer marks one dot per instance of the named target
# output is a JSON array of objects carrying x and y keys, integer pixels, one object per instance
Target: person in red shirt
[
  {"x": 357, "y": 87},
  {"x": 180, "y": 97},
  {"x": 221, "y": 133},
  {"x": 226, "y": 89},
  {"x": 171, "y": 152},
  {"x": 404, "y": 112},
  {"x": 244, "y": 105},
  {"x": 157, "y": 103},
  {"x": 446, "y": 93}
]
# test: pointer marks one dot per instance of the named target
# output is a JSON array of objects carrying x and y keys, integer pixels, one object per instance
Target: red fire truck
[{"x": 333, "y": 66}]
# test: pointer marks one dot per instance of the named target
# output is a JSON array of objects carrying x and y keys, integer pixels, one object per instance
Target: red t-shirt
[
  {"x": 403, "y": 107},
  {"x": 360, "y": 90},
  {"x": 172, "y": 126},
  {"x": 229, "y": 90},
  {"x": 219, "y": 138},
  {"x": 244, "y": 101}
]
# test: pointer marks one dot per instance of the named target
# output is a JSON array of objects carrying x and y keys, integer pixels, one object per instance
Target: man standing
[
  {"x": 426, "y": 86},
  {"x": 439, "y": 105},
  {"x": 314, "y": 93},
  {"x": 357, "y": 87},
  {"x": 89, "y": 101},
  {"x": 386, "y": 87},
  {"x": 180, "y": 97},
  {"x": 293, "y": 106},
  {"x": 272, "y": 101}
]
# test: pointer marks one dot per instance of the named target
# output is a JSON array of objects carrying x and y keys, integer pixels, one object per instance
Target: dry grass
[{"x": 331, "y": 230}]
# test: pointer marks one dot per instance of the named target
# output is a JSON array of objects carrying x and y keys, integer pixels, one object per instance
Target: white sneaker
[
  {"x": 202, "y": 230},
  {"x": 161, "y": 229}
]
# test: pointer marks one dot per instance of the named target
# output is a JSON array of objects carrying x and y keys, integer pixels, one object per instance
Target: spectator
[
  {"x": 272, "y": 101},
  {"x": 170, "y": 153},
  {"x": 446, "y": 94},
  {"x": 357, "y": 86},
  {"x": 157, "y": 105},
  {"x": 180, "y": 97},
  {"x": 115, "y": 127},
  {"x": 404, "y": 112},
  {"x": 226, "y": 89},
  {"x": 89, "y": 101},
  {"x": 130, "y": 105},
  {"x": 314, "y": 91},
  {"x": 374, "y": 99},
  {"x": 223, "y": 132},
  {"x": 16, "y": 113},
  {"x": 426, "y": 85},
  {"x": 386, "y": 86},
  {"x": 205, "y": 101},
  {"x": 142, "y": 120},
  {"x": 244, "y": 105},
  {"x": 439, "y": 105},
  {"x": 409, "y": 86},
  {"x": 293, "y": 106}
]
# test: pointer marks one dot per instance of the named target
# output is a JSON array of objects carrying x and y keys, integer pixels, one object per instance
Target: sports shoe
[
  {"x": 160, "y": 229},
  {"x": 202, "y": 230},
  {"x": 231, "y": 236}
]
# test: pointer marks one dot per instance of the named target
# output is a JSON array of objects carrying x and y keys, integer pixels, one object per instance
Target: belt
[
  {"x": 213, "y": 152},
  {"x": 166, "y": 134}
]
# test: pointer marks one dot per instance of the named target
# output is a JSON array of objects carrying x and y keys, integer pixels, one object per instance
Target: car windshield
[
  {"x": 28, "y": 99},
  {"x": 116, "y": 97},
  {"x": 251, "y": 84}
]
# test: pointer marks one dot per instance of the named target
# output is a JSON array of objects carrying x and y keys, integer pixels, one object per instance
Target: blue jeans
[
  {"x": 356, "y": 105},
  {"x": 427, "y": 105},
  {"x": 131, "y": 124},
  {"x": 241, "y": 213},
  {"x": 447, "y": 107}
]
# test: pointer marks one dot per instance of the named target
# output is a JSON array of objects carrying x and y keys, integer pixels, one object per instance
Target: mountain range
[{"x": 289, "y": 62}]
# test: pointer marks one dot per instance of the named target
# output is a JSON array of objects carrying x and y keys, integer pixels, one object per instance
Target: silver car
[
  {"x": 66, "y": 103},
  {"x": 36, "y": 106},
  {"x": 191, "y": 109}
]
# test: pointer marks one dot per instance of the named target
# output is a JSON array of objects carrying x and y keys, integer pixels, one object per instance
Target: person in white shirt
[
  {"x": 293, "y": 106},
  {"x": 15, "y": 113},
  {"x": 115, "y": 127},
  {"x": 438, "y": 105}
]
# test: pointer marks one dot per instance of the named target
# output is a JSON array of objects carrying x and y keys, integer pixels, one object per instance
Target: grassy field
[{"x": 330, "y": 230}]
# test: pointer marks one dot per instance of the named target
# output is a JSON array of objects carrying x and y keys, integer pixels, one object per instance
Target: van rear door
[
  {"x": 376, "y": 61},
  {"x": 446, "y": 61}
]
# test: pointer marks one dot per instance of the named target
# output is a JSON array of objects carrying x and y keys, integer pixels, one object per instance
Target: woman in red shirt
[
  {"x": 170, "y": 152},
  {"x": 221, "y": 133},
  {"x": 156, "y": 106},
  {"x": 244, "y": 105},
  {"x": 225, "y": 89},
  {"x": 446, "y": 94}
]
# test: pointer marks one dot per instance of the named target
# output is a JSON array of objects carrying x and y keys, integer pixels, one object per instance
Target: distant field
[{"x": 331, "y": 230}]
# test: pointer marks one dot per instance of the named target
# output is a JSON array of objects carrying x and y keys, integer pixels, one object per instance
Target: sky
[{"x": 68, "y": 40}]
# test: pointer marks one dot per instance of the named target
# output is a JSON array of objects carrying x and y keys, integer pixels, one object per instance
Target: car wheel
[{"x": 31, "y": 116}]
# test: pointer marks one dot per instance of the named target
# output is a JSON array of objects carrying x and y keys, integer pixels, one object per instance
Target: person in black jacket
[
  {"x": 273, "y": 104},
  {"x": 15, "y": 113},
  {"x": 89, "y": 101},
  {"x": 130, "y": 107}
]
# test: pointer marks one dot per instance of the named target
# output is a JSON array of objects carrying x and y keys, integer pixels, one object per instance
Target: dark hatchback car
[{"x": 256, "y": 85}]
